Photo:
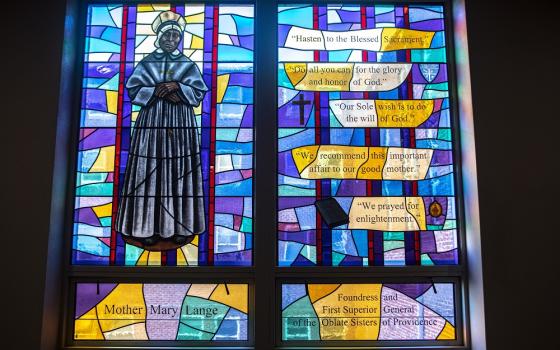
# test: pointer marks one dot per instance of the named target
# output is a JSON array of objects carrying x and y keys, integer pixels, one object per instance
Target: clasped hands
[{"x": 168, "y": 91}]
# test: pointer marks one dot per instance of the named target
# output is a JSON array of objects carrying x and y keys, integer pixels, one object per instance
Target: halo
[{"x": 168, "y": 16}]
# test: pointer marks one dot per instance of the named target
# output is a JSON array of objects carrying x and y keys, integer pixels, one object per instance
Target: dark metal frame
[{"x": 264, "y": 277}]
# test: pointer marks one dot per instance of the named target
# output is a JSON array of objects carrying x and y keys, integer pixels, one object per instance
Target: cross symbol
[
  {"x": 429, "y": 71},
  {"x": 301, "y": 103}
]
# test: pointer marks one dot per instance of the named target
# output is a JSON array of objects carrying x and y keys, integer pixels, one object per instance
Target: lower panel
[
  {"x": 377, "y": 312},
  {"x": 161, "y": 312}
]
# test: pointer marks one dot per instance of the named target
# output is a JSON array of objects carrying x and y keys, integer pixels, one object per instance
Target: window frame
[{"x": 264, "y": 276}]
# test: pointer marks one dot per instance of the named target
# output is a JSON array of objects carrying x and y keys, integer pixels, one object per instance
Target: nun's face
[{"x": 169, "y": 40}]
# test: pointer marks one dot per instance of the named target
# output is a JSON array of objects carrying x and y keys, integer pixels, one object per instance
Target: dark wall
[
  {"x": 516, "y": 106},
  {"x": 30, "y": 77},
  {"x": 514, "y": 76}
]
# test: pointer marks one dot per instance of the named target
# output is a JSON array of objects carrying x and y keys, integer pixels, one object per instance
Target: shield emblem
[{"x": 429, "y": 71}]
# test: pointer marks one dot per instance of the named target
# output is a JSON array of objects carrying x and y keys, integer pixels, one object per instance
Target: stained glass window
[
  {"x": 134, "y": 186},
  {"x": 156, "y": 311},
  {"x": 364, "y": 119},
  {"x": 361, "y": 231},
  {"x": 368, "y": 311},
  {"x": 366, "y": 173}
]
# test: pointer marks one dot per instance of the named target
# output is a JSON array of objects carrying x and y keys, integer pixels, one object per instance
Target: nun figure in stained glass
[{"x": 161, "y": 203}]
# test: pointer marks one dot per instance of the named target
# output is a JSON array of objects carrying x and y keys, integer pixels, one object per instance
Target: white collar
[{"x": 174, "y": 53}]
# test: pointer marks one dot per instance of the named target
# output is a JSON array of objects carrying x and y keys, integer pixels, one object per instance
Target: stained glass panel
[
  {"x": 365, "y": 141},
  {"x": 150, "y": 311},
  {"x": 157, "y": 186},
  {"x": 378, "y": 312}
]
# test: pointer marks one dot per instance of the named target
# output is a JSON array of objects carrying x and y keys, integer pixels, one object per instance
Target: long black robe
[{"x": 162, "y": 190}]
